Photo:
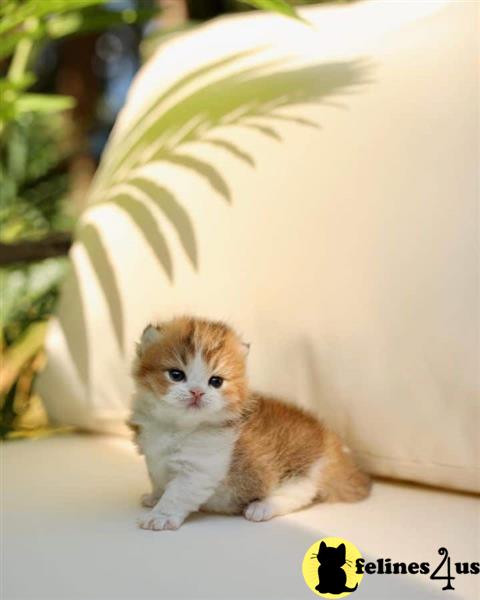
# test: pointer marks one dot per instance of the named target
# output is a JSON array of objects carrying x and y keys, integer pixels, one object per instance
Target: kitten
[{"x": 211, "y": 444}]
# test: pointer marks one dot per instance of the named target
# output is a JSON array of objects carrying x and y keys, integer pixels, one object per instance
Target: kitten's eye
[
  {"x": 176, "y": 375},
  {"x": 215, "y": 381}
]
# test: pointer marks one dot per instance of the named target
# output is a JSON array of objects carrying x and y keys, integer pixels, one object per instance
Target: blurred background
[{"x": 65, "y": 70}]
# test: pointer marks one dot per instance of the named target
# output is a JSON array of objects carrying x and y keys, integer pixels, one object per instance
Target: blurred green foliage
[
  {"x": 34, "y": 180},
  {"x": 34, "y": 184},
  {"x": 280, "y": 6}
]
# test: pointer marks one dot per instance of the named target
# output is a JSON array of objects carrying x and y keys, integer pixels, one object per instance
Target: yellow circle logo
[{"x": 329, "y": 568}]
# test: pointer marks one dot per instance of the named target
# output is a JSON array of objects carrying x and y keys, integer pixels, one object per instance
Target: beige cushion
[{"x": 321, "y": 195}]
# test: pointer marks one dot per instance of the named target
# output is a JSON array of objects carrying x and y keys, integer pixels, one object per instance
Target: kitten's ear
[
  {"x": 342, "y": 549},
  {"x": 150, "y": 335},
  {"x": 245, "y": 348},
  {"x": 323, "y": 545}
]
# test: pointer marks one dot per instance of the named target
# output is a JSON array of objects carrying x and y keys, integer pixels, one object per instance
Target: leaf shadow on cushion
[
  {"x": 91, "y": 239},
  {"x": 71, "y": 318},
  {"x": 250, "y": 97}
]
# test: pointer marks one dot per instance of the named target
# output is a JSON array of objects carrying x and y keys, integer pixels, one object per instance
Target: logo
[
  {"x": 444, "y": 571},
  {"x": 334, "y": 568},
  {"x": 329, "y": 568}
]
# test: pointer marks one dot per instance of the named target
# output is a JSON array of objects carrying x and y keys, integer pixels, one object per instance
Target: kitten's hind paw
[
  {"x": 258, "y": 511},
  {"x": 149, "y": 500}
]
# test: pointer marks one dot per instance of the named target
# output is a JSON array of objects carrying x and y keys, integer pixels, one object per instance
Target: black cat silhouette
[{"x": 331, "y": 577}]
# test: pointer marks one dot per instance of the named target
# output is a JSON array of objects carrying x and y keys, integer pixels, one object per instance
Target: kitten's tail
[
  {"x": 341, "y": 480},
  {"x": 346, "y": 589}
]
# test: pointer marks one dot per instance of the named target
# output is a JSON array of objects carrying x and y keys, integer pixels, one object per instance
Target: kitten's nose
[{"x": 196, "y": 394}]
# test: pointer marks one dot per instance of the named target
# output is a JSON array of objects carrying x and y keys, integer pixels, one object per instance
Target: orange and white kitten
[{"x": 211, "y": 444}]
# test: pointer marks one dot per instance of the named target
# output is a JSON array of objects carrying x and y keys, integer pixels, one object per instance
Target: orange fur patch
[
  {"x": 278, "y": 442},
  {"x": 180, "y": 340}
]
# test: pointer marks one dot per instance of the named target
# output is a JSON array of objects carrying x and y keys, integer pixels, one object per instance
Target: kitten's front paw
[
  {"x": 258, "y": 511},
  {"x": 149, "y": 500},
  {"x": 159, "y": 522}
]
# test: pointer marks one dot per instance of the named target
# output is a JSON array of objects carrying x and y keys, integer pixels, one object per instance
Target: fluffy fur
[{"x": 223, "y": 448}]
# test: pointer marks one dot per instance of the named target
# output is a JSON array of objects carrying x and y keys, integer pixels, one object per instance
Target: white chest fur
[{"x": 199, "y": 453}]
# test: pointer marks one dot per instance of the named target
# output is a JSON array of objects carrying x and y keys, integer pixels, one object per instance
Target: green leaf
[
  {"x": 13, "y": 285},
  {"x": 43, "y": 103},
  {"x": 37, "y": 9},
  {"x": 16, "y": 156},
  {"x": 279, "y": 6},
  {"x": 18, "y": 85},
  {"x": 95, "y": 19},
  {"x": 9, "y": 42},
  {"x": 21, "y": 288},
  {"x": 20, "y": 353}
]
